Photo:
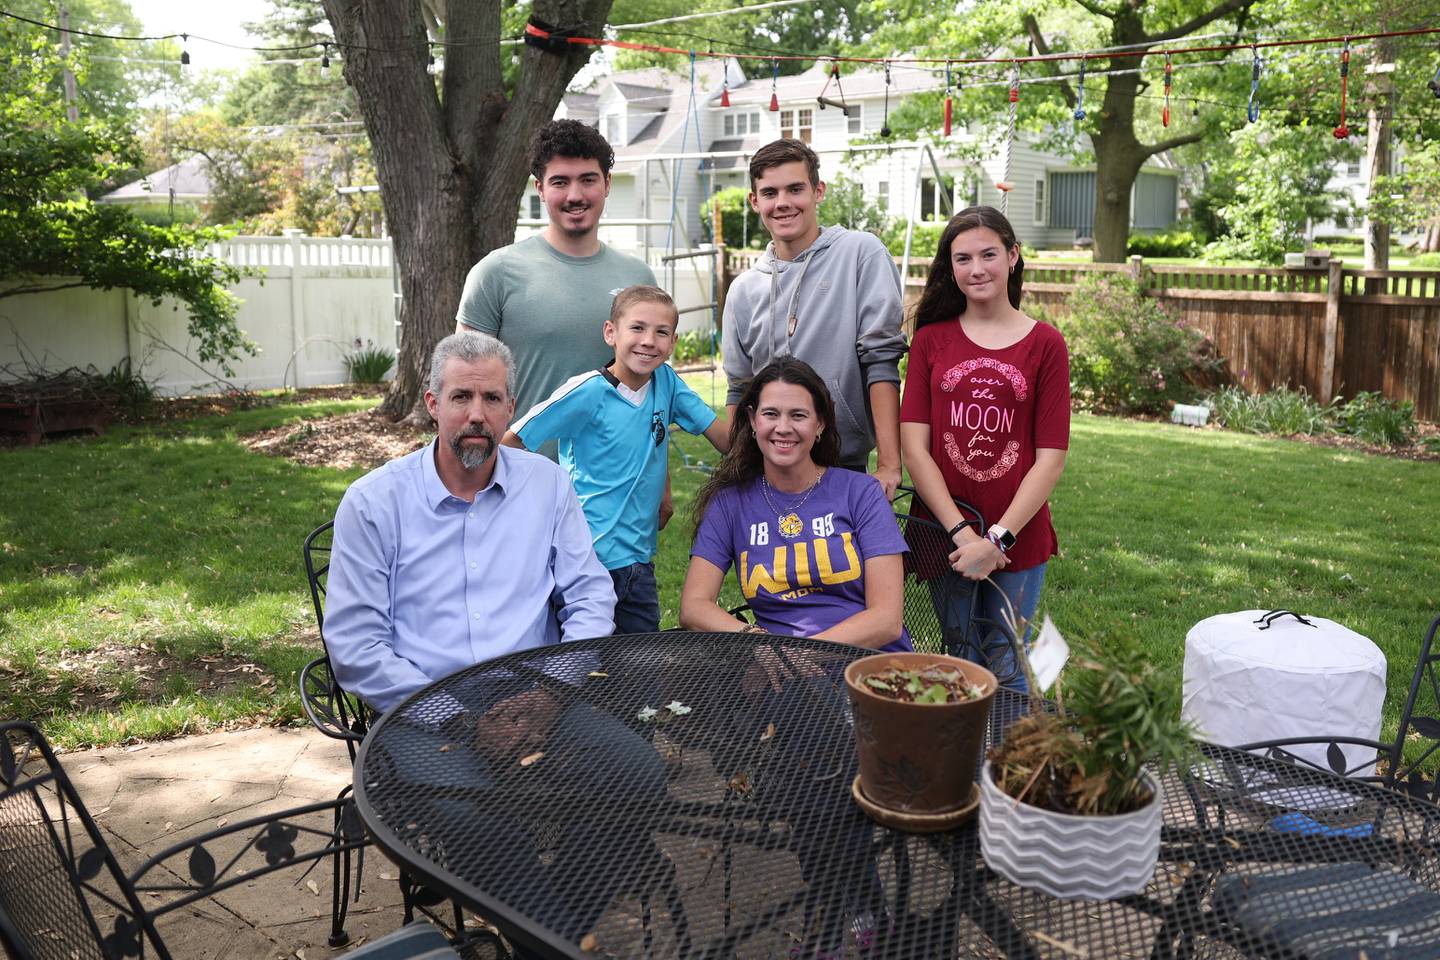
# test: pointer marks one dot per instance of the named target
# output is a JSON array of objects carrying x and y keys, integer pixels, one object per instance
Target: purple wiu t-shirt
[{"x": 802, "y": 581}]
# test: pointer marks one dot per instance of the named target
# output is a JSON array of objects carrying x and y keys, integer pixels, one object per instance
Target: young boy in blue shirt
[{"x": 612, "y": 425}]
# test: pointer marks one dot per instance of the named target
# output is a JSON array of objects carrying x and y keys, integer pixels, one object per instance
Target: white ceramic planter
[{"x": 1092, "y": 858}]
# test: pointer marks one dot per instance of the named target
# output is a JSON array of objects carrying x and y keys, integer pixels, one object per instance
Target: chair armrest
[
  {"x": 267, "y": 844},
  {"x": 330, "y": 709}
]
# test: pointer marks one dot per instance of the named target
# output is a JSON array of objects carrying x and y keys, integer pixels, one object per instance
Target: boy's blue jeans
[
  {"x": 637, "y": 599},
  {"x": 952, "y": 606}
]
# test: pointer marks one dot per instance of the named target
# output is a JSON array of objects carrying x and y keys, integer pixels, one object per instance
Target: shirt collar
[{"x": 437, "y": 493}]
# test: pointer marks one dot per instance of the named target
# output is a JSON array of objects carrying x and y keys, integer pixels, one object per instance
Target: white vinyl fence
[{"x": 311, "y": 301}]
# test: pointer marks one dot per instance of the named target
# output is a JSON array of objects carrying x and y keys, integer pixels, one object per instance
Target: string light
[
  {"x": 1252, "y": 109},
  {"x": 947, "y": 98},
  {"x": 885, "y": 118},
  {"x": 325, "y": 63},
  {"x": 775, "y": 87},
  {"x": 184, "y": 54}
]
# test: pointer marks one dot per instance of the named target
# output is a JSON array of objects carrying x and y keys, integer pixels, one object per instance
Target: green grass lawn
[{"x": 132, "y": 562}]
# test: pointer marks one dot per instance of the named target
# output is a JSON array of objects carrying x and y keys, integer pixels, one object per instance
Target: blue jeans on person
[
  {"x": 637, "y": 599},
  {"x": 950, "y": 594}
]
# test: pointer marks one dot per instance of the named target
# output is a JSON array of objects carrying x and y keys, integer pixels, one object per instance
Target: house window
[
  {"x": 1040, "y": 202},
  {"x": 535, "y": 209},
  {"x": 1352, "y": 170},
  {"x": 882, "y": 193},
  {"x": 612, "y": 129},
  {"x": 740, "y": 124},
  {"x": 932, "y": 197},
  {"x": 855, "y": 120},
  {"x": 797, "y": 124}
]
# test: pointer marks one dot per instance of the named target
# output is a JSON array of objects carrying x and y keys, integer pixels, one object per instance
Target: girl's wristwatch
[{"x": 1001, "y": 537}]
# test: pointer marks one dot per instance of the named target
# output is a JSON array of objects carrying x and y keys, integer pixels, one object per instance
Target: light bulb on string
[
  {"x": 325, "y": 62},
  {"x": 775, "y": 86},
  {"x": 433, "y": 67},
  {"x": 184, "y": 54}
]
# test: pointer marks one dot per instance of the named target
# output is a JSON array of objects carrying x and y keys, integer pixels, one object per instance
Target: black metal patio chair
[
  {"x": 63, "y": 893},
  {"x": 931, "y": 586},
  {"x": 341, "y": 715}
]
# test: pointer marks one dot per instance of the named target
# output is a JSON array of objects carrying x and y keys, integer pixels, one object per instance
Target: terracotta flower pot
[
  {"x": 918, "y": 758},
  {"x": 1092, "y": 858}
]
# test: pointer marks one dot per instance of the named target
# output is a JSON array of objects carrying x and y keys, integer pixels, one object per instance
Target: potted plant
[
  {"x": 919, "y": 721},
  {"x": 1070, "y": 803}
]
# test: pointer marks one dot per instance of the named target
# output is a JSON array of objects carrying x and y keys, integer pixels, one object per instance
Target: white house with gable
[{"x": 670, "y": 156}]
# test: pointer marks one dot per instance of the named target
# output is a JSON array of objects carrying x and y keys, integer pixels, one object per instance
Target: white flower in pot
[{"x": 1069, "y": 804}]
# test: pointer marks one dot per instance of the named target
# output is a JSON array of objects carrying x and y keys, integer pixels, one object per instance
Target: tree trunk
[
  {"x": 451, "y": 163},
  {"x": 1118, "y": 158},
  {"x": 1377, "y": 155}
]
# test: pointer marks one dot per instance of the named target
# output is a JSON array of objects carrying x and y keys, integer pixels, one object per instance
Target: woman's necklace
[{"x": 789, "y": 520}]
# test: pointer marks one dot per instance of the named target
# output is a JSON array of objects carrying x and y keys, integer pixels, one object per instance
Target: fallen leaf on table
[
  {"x": 597, "y": 673},
  {"x": 314, "y": 887},
  {"x": 589, "y": 943},
  {"x": 769, "y": 732},
  {"x": 740, "y": 783},
  {"x": 677, "y": 708},
  {"x": 387, "y": 876},
  {"x": 221, "y": 822},
  {"x": 446, "y": 748},
  {"x": 527, "y": 760},
  {"x": 169, "y": 825}
]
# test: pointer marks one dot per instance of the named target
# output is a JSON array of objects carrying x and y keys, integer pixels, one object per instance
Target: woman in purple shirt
[{"x": 815, "y": 547}]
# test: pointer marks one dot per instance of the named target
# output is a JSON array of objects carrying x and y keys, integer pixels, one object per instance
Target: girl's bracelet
[{"x": 753, "y": 628}]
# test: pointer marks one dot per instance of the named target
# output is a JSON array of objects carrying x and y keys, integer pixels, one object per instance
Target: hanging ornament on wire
[
  {"x": 948, "y": 104},
  {"x": 1080, "y": 95},
  {"x": 325, "y": 62},
  {"x": 885, "y": 118},
  {"x": 833, "y": 77},
  {"x": 774, "y": 86},
  {"x": 1252, "y": 109},
  {"x": 1195, "y": 109},
  {"x": 184, "y": 54},
  {"x": 1165, "y": 113},
  {"x": 1343, "y": 131}
]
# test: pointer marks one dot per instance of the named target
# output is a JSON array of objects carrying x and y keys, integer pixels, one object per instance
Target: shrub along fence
[{"x": 1331, "y": 330}]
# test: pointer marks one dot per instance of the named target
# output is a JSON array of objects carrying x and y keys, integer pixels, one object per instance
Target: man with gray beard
[{"x": 463, "y": 550}]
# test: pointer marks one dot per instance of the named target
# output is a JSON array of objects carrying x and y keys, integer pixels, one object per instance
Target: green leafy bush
[
  {"x": 1284, "y": 411},
  {"x": 691, "y": 347},
  {"x": 922, "y": 245},
  {"x": 369, "y": 364},
  {"x": 1426, "y": 261},
  {"x": 734, "y": 212},
  {"x": 1166, "y": 243},
  {"x": 1370, "y": 417},
  {"x": 1367, "y": 416},
  {"x": 1127, "y": 354}
]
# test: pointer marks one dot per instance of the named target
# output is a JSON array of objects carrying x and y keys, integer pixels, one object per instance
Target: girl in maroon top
[{"x": 986, "y": 415}]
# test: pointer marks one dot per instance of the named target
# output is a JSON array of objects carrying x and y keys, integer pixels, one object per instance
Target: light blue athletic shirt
[{"x": 616, "y": 452}]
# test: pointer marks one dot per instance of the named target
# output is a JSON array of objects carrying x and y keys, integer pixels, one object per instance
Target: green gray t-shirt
[{"x": 549, "y": 309}]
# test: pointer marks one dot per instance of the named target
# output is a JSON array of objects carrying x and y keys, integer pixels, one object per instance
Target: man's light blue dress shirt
[{"x": 422, "y": 583}]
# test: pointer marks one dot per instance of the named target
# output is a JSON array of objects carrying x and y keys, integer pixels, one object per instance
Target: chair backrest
[
  {"x": 317, "y": 565},
  {"x": 1420, "y": 721},
  {"x": 332, "y": 710},
  {"x": 58, "y": 876}
]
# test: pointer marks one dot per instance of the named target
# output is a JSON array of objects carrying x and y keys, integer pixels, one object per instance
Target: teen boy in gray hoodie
[{"x": 830, "y": 297}]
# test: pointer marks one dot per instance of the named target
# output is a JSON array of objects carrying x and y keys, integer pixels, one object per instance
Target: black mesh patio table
[{"x": 688, "y": 795}]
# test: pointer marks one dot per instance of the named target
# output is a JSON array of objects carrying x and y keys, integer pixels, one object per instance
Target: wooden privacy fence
[{"x": 1332, "y": 330}]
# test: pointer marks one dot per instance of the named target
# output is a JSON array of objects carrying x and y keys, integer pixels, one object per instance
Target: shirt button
[
  {"x": 473, "y": 564},
  {"x": 477, "y": 616}
]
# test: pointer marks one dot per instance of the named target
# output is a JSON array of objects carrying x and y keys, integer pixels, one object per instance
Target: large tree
[
  {"x": 450, "y": 155},
  {"x": 1117, "y": 133}
]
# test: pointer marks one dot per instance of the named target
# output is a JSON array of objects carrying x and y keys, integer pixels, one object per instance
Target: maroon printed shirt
[{"x": 988, "y": 411}]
